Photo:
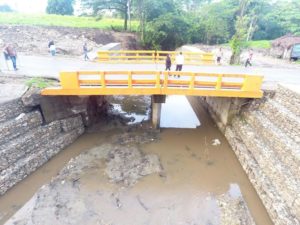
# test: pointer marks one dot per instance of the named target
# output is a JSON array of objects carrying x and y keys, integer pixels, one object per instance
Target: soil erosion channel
[{"x": 132, "y": 174}]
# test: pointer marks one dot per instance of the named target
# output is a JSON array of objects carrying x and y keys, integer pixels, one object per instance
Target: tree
[
  {"x": 287, "y": 14},
  {"x": 121, "y": 6},
  {"x": 192, "y": 5},
  {"x": 149, "y": 10},
  {"x": 5, "y": 8},
  {"x": 238, "y": 41},
  {"x": 166, "y": 32},
  {"x": 60, "y": 7}
]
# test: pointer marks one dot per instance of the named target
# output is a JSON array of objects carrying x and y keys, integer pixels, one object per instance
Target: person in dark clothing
[
  {"x": 168, "y": 63},
  {"x": 85, "y": 52},
  {"x": 249, "y": 58},
  {"x": 50, "y": 43},
  {"x": 9, "y": 51}
]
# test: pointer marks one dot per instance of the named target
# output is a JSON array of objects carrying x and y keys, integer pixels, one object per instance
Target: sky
[{"x": 26, "y": 6}]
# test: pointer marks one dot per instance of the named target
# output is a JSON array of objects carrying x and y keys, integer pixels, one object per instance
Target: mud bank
[
  {"x": 69, "y": 41},
  {"x": 137, "y": 175}
]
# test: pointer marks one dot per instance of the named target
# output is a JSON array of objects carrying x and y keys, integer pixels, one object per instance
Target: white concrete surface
[{"x": 11, "y": 91}]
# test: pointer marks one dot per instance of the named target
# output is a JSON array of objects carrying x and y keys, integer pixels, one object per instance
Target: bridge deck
[{"x": 157, "y": 83}]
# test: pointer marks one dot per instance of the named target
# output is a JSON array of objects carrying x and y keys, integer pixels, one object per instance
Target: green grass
[
  {"x": 265, "y": 44},
  {"x": 259, "y": 44},
  {"x": 39, "y": 82},
  {"x": 63, "y": 21}
]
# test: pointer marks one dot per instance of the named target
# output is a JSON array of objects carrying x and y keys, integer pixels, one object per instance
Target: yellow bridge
[
  {"x": 121, "y": 56},
  {"x": 157, "y": 83}
]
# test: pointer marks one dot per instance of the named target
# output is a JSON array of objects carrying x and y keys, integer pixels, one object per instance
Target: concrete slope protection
[
  {"x": 265, "y": 136},
  {"x": 33, "y": 129}
]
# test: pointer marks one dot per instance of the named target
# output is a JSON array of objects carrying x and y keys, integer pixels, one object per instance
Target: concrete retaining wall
[
  {"x": 33, "y": 131},
  {"x": 265, "y": 136}
]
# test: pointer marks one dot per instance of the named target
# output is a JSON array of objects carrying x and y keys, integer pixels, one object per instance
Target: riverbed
[{"x": 195, "y": 177}]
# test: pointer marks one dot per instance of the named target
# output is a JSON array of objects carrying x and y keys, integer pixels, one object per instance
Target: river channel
[{"x": 198, "y": 167}]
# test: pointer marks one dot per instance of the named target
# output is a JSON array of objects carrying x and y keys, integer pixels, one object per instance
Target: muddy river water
[{"x": 198, "y": 167}]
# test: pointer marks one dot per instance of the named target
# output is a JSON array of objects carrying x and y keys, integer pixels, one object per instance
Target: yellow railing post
[
  {"x": 252, "y": 83},
  {"x": 192, "y": 82},
  {"x": 157, "y": 79},
  {"x": 166, "y": 80},
  {"x": 102, "y": 74},
  {"x": 129, "y": 79},
  {"x": 69, "y": 80},
  {"x": 219, "y": 82}
]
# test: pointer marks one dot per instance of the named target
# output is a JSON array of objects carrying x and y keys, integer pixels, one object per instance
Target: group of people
[
  {"x": 248, "y": 61},
  {"x": 52, "y": 49},
  {"x": 11, "y": 54},
  {"x": 179, "y": 60}
]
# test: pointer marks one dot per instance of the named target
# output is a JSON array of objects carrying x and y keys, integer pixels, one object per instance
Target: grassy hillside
[
  {"x": 259, "y": 44},
  {"x": 265, "y": 44},
  {"x": 64, "y": 21}
]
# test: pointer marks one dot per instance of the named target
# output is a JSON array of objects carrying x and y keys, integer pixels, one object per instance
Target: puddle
[{"x": 134, "y": 109}]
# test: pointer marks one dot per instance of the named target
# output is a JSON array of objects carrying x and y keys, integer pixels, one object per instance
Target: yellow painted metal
[
  {"x": 69, "y": 80},
  {"x": 157, "y": 82},
  {"x": 250, "y": 83},
  {"x": 131, "y": 56}
]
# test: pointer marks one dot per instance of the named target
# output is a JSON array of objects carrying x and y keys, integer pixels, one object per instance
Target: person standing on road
[
  {"x": 219, "y": 56},
  {"x": 52, "y": 48},
  {"x": 179, "y": 62},
  {"x": 168, "y": 62},
  {"x": 9, "y": 51},
  {"x": 249, "y": 58},
  {"x": 85, "y": 51}
]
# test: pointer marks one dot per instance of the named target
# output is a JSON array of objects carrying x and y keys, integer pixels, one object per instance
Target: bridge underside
[{"x": 151, "y": 91}]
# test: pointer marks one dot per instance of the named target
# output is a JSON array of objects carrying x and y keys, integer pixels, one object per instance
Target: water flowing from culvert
[{"x": 197, "y": 170}]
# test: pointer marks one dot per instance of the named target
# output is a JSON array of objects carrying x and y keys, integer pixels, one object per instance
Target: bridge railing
[
  {"x": 131, "y": 56},
  {"x": 157, "y": 82}
]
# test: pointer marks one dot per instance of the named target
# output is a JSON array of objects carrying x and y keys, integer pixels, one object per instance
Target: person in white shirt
[
  {"x": 179, "y": 62},
  {"x": 52, "y": 49}
]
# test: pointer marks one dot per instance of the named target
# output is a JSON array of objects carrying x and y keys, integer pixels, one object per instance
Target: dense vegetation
[
  {"x": 5, "y": 8},
  {"x": 167, "y": 24},
  {"x": 60, "y": 7}
]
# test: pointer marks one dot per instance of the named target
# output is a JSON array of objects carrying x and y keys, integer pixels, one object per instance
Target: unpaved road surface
[{"x": 46, "y": 66}]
